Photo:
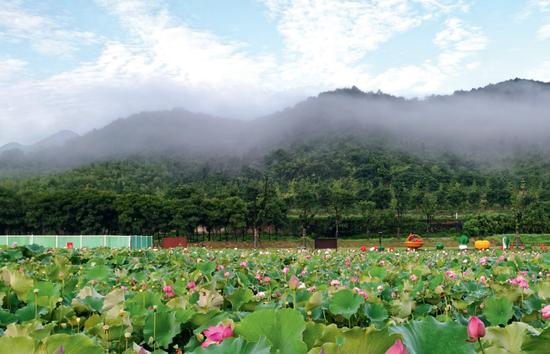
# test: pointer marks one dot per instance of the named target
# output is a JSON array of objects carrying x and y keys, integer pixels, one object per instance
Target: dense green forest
[{"x": 343, "y": 188}]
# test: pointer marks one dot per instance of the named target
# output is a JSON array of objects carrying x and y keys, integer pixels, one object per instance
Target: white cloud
[
  {"x": 46, "y": 35},
  {"x": 166, "y": 63},
  {"x": 544, "y": 32},
  {"x": 327, "y": 41},
  {"x": 543, "y": 5},
  {"x": 9, "y": 68},
  {"x": 459, "y": 43},
  {"x": 542, "y": 72}
]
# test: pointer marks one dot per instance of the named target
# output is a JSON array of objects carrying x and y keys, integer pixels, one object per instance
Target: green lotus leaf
[
  {"x": 377, "y": 272},
  {"x": 346, "y": 303},
  {"x": 207, "y": 268},
  {"x": 511, "y": 338},
  {"x": 17, "y": 345},
  {"x": 162, "y": 327},
  {"x": 20, "y": 283},
  {"x": 6, "y": 317},
  {"x": 537, "y": 344},
  {"x": 422, "y": 310},
  {"x": 282, "y": 328},
  {"x": 312, "y": 332},
  {"x": 28, "y": 312},
  {"x": 544, "y": 290},
  {"x": 432, "y": 336},
  {"x": 113, "y": 298},
  {"x": 98, "y": 272},
  {"x": 34, "y": 329},
  {"x": 240, "y": 297},
  {"x": 72, "y": 344},
  {"x": 359, "y": 341},
  {"x": 376, "y": 312},
  {"x": 46, "y": 295},
  {"x": 498, "y": 310}
]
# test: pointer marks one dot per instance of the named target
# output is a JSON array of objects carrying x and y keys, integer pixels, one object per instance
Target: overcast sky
[{"x": 79, "y": 64}]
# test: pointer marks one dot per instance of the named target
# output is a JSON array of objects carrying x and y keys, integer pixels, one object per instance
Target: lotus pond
[{"x": 63, "y": 301}]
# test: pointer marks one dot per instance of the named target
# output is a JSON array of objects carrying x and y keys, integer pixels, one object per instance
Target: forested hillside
[{"x": 313, "y": 188}]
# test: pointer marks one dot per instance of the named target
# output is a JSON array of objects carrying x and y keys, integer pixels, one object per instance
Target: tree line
[{"x": 308, "y": 190}]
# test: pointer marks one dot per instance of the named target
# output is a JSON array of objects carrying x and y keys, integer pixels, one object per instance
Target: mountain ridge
[{"x": 500, "y": 120}]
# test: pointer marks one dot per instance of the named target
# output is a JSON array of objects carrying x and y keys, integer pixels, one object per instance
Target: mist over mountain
[
  {"x": 56, "y": 140},
  {"x": 495, "y": 122}
]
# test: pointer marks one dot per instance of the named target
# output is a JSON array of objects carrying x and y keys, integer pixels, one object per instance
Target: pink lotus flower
[
  {"x": 483, "y": 280},
  {"x": 244, "y": 264},
  {"x": 293, "y": 282},
  {"x": 519, "y": 281},
  {"x": 476, "y": 329},
  {"x": 267, "y": 279},
  {"x": 545, "y": 312},
  {"x": 285, "y": 270},
  {"x": 361, "y": 292},
  {"x": 226, "y": 274},
  {"x": 450, "y": 274},
  {"x": 168, "y": 291},
  {"x": 191, "y": 285},
  {"x": 397, "y": 348},
  {"x": 258, "y": 276},
  {"x": 413, "y": 277},
  {"x": 483, "y": 260},
  {"x": 334, "y": 282},
  {"x": 216, "y": 334}
]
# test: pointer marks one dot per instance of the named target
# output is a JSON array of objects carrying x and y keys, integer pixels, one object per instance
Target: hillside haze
[{"x": 495, "y": 122}]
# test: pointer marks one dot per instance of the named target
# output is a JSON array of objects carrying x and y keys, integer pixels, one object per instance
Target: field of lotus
[{"x": 196, "y": 300}]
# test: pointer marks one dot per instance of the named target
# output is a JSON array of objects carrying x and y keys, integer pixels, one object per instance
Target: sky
[{"x": 79, "y": 64}]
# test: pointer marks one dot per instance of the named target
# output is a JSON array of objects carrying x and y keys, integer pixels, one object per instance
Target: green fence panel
[
  {"x": 118, "y": 241},
  {"x": 45, "y": 240},
  {"x": 139, "y": 242},
  {"x": 92, "y": 241},
  {"x": 79, "y": 241},
  {"x": 20, "y": 240}
]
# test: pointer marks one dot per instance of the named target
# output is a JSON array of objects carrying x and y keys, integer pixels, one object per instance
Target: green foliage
[
  {"x": 498, "y": 310},
  {"x": 432, "y": 336},
  {"x": 346, "y": 303},
  {"x": 343, "y": 187},
  {"x": 131, "y": 298},
  {"x": 282, "y": 328}
]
